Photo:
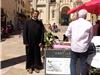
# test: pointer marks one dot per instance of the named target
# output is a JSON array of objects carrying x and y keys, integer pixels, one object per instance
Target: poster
[{"x": 58, "y": 66}]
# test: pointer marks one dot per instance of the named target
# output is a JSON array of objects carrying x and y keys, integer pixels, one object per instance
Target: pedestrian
[
  {"x": 80, "y": 34},
  {"x": 65, "y": 38},
  {"x": 54, "y": 27},
  {"x": 97, "y": 28},
  {"x": 33, "y": 38}
]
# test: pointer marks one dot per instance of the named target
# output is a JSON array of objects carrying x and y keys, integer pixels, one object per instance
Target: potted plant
[
  {"x": 95, "y": 71},
  {"x": 48, "y": 39}
]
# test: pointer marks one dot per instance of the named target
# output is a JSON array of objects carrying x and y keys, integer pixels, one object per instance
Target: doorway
[{"x": 64, "y": 18}]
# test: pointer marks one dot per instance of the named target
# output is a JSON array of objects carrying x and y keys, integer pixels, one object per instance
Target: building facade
[
  {"x": 15, "y": 8},
  {"x": 55, "y": 11},
  {"x": 9, "y": 8}
]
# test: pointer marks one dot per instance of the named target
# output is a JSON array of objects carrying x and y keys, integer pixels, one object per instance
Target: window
[
  {"x": 30, "y": 0},
  {"x": 18, "y": 1},
  {"x": 52, "y": 1},
  {"x": 22, "y": 3},
  {"x": 21, "y": 11},
  {"x": 18, "y": 9},
  {"x": 53, "y": 13},
  {"x": 14, "y": 11}
]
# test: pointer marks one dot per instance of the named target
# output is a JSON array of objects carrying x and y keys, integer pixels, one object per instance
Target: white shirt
[{"x": 80, "y": 34}]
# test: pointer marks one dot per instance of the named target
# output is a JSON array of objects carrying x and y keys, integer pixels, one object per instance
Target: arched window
[
  {"x": 64, "y": 20},
  {"x": 53, "y": 13}
]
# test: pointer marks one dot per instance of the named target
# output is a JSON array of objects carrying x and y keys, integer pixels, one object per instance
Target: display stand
[{"x": 57, "y": 62}]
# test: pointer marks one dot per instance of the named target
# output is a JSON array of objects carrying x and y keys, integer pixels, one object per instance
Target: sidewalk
[{"x": 13, "y": 55}]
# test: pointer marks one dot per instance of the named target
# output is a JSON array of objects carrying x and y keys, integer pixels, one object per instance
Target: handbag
[{"x": 91, "y": 49}]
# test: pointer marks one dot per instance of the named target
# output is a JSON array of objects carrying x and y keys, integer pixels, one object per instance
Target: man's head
[
  {"x": 35, "y": 14},
  {"x": 82, "y": 13}
]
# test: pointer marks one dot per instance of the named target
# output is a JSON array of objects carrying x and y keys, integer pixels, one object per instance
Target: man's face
[{"x": 35, "y": 15}]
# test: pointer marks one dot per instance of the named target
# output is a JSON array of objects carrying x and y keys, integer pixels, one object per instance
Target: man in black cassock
[{"x": 33, "y": 36}]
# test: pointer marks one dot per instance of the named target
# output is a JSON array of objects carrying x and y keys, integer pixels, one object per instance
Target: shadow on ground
[{"x": 13, "y": 61}]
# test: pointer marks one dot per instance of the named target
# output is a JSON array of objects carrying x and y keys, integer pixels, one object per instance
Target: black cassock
[{"x": 33, "y": 34}]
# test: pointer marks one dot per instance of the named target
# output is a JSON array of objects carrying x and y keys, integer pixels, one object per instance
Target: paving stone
[
  {"x": 15, "y": 71},
  {"x": 3, "y": 71},
  {"x": 20, "y": 66}
]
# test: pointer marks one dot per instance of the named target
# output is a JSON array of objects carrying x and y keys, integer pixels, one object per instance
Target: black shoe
[
  {"x": 30, "y": 71},
  {"x": 37, "y": 70}
]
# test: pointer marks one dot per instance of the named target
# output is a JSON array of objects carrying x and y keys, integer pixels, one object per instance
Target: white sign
[{"x": 57, "y": 65}]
